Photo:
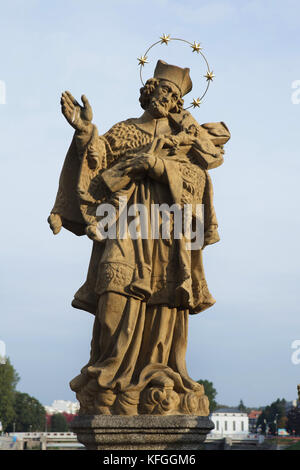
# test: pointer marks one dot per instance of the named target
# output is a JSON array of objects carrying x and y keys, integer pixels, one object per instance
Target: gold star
[
  {"x": 165, "y": 38},
  {"x": 196, "y": 47},
  {"x": 196, "y": 103},
  {"x": 142, "y": 60},
  {"x": 209, "y": 76}
]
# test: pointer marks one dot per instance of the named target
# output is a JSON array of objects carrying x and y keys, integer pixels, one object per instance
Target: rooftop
[
  {"x": 229, "y": 410},
  {"x": 254, "y": 414}
]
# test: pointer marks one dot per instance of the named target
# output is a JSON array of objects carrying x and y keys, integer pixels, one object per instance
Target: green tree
[
  {"x": 8, "y": 381},
  {"x": 271, "y": 416},
  {"x": 293, "y": 421},
  {"x": 210, "y": 392},
  {"x": 30, "y": 414},
  {"x": 282, "y": 422},
  {"x": 59, "y": 423}
]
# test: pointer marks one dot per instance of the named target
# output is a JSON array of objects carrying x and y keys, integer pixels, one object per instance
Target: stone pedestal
[{"x": 143, "y": 432}]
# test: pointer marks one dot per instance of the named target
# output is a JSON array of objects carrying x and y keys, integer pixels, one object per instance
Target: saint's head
[{"x": 163, "y": 93}]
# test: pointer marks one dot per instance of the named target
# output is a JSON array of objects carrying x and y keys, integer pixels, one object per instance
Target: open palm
[{"x": 78, "y": 116}]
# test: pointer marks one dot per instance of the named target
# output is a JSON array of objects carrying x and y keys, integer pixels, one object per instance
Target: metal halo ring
[{"x": 164, "y": 39}]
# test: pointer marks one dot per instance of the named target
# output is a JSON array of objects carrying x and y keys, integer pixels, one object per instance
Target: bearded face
[
  {"x": 163, "y": 99},
  {"x": 157, "y": 108}
]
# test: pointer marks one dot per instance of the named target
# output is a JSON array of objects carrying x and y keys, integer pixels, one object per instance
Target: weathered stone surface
[
  {"x": 141, "y": 288},
  {"x": 142, "y": 432}
]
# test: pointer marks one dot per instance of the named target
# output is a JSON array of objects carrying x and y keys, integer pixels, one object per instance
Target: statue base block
[{"x": 143, "y": 432}]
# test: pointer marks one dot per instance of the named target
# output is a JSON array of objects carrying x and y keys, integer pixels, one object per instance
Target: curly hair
[{"x": 147, "y": 90}]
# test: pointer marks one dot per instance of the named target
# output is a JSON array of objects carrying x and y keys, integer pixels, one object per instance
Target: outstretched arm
[{"x": 80, "y": 118}]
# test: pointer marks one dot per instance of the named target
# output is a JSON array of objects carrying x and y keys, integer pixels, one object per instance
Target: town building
[
  {"x": 253, "y": 417},
  {"x": 62, "y": 406},
  {"x": 230, "y": 421}
]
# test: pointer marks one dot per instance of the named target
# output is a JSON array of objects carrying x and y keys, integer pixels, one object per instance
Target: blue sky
[{"x": 243, "y": 343}]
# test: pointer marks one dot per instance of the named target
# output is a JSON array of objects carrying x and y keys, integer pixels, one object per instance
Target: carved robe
[{"x": 141, "y": 290}]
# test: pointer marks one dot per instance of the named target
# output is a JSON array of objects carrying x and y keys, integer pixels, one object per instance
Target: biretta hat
[{"x": 177, "y": 75}]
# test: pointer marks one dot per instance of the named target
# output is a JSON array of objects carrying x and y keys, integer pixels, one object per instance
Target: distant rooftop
[
  {"x": 62, "y": 406},
  {"x": 254, "y": 414},
  {"x": 229, "y": 410}
]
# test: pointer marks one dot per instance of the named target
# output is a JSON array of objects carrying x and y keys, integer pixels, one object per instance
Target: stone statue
[{"x": 141, "y": 290}]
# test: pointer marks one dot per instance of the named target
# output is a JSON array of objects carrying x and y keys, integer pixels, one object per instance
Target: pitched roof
[{"x": 229, "y": 410}]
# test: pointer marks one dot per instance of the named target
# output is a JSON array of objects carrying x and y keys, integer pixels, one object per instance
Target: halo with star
[{"x": 196, "y": 47}]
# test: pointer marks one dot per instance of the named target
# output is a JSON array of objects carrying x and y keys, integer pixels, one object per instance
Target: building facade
[
  {"x": 62, "y": 406},
  {"x": 253, "y": 417},
  {"x": 230, "y": 421}
]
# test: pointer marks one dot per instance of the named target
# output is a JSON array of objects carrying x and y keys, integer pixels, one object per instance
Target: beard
[{"x": 157, "y": 108}]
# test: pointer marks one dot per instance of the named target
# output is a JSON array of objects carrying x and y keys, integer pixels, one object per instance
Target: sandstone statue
[{"x": 141, "y": 290}]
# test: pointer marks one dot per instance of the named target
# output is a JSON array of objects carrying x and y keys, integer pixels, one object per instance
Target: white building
[
  {"x": 62, "y": 406},
  {"x": 230, "y": 422}
]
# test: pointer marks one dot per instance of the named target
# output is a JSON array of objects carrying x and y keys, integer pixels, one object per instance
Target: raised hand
[{"x": 79, "y": 117}]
